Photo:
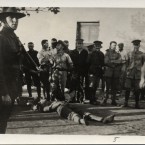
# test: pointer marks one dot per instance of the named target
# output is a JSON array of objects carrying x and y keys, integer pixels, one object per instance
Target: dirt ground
[{"x": 128, "y": 121}]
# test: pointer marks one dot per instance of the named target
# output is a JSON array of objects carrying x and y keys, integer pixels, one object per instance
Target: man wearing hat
[
  {"x": 135, "y": 60},
  {"x": 10, "y": 61},
  {"x": 112, "y": 72},
  {"x": 79, "y": 57},
  {"x": 62, "y": 64},
  {"x": 95, "y": 64}
]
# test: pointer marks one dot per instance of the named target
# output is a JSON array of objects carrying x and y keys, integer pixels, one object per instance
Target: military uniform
[
  {"x": 95, "y": 65},
  {"x": 135, "y": 60},
  {"x": 112, "y": 73},
  {"x": 62, "y": 63},
  {"x": 10, "y": 66}
]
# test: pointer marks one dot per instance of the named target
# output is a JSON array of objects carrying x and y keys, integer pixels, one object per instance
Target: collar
[
  {"x": 79, "y": 51},
  {"x": 60, "y": 53},
  {"x": 8, "y": 31},
  {"x": 44, "y": 50}
]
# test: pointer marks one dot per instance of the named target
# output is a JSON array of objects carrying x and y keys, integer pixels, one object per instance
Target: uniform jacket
[
  {"x": 79, "y": 61},
  {"x": 135, "y": 61},
  {"x": 112, "y": 63},
  {"x": 9, "y": 62},
  {"x": 96, "y": 62},
  {"x": 64, "y": 63}
]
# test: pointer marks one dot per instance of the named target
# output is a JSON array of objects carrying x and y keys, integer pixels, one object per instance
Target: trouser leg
[
  {"x": 142, "y": 94},
  {"x": 80, "y": 92},
  {"x": 114, "y": 86},
  {"x": 94, "y": 89},
  {"x": 108, "y": 85},
  {"x": 36, "y": 80},
  {"x": 44, "y": 76},
  {"x": 137, "y": 93},
  {"x": 114, "y": 89},
  {"x": 127, "y": 94},
  {"x": 93, "y": 117},
  {"x": 103, "y": 84},
  {"x": 86, "y": 87},
  {"x": 5, "y": 112},
  {"x": 29, "y": 82},
  {"x": 77, "y": 118}
]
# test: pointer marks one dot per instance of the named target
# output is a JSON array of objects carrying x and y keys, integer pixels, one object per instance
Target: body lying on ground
[{"x": 65, "y": 110}]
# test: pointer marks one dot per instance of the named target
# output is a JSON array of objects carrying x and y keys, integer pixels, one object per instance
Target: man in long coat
[
  {"x": 10, "y": 62},
  {"x": 112, "y": 72},
  {"x": 135, "y": 61},
  {"x": 95, "y": 64},
  {"x": 79, "y": 58}
]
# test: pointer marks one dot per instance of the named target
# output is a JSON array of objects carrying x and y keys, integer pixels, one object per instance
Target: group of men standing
[
  {"x": 54, "y": 66},
  {"x": 82, "y": 71}
]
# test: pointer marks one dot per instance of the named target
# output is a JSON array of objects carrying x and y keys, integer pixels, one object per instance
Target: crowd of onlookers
[{"x": 83, "y": 70}]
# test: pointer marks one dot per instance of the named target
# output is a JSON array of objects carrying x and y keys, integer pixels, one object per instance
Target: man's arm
[
  {"x": 69, "y": 63},
  {"x": 118, "y": 60},
  {"x": 52, "y": 107},
  {"x": 40, "y": 57},
  {"x": 107, "y": 60},
  {"x": 142, "y": 81},
  {"x": 3, "y": 88}
]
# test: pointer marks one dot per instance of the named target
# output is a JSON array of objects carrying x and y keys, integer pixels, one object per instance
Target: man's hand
[
  {"x": 142, "y": 83},
  {"x": 6, "y": 100}
]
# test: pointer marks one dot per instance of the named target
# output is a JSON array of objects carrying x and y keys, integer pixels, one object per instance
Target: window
[{"x": 89, "y": 31}]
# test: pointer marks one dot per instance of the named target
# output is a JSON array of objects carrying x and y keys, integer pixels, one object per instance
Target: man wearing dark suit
[
  {"x": 31, "y": 72},
  {"x": 79, "y": 57},
  {"x": 95, "y": 64}
]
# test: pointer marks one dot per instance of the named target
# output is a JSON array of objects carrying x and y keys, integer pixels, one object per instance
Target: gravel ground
[{"x": 128, "y": 121}]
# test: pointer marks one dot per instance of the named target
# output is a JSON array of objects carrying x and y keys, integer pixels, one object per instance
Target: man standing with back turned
[{"x": 10, "y": 56}]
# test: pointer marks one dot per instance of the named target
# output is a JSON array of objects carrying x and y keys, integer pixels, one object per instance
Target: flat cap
[
  {"x": 62, "y": 43},
  {"x": 79, "y": 40},
  {"x": 98, "y": 44},
  {"x": 136, "y": 42}
]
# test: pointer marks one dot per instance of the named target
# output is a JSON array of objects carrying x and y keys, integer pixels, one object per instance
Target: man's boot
[
  {"x": 127, "y": 93},
  {"x": 125, "y": 104},
  {"x": 105, "y": 99},
  {"x": 108, "y": 119},
  {"x": 137, "y": 105},
  {"x": 114, "y": 99},
  {"x": 137, "y": 94}
]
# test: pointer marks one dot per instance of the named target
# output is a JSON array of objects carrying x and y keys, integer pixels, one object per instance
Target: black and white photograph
[{"x": 72, "y": 70}]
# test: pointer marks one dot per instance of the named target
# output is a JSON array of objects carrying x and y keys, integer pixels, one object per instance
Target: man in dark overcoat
[
  {"x": 95, "y": 64},
  {"x": 30, "y": 70},
  {"x": 79, "y": 58},
  {"x": 112, "y": 72},
  {"x": 10, "y": 62}
]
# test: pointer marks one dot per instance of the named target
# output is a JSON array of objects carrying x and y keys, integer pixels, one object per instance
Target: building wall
[{"x": 117, "y": 24}]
